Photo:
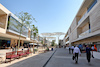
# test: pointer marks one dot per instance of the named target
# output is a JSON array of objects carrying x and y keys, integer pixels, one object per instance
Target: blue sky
[{"x": 51, "y": 15}]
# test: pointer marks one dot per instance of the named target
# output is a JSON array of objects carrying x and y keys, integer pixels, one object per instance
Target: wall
[
  {"x": 73, "y": 25},
  {"x": 95, "y": 18},
  {"x": 85, "y": 27},
  {"x": 3, "y": 21},
  {"x": 13, "y": 41}
]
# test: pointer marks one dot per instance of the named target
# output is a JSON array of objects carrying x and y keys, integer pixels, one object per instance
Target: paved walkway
[
  {"x": 61, "y": 58},
  {"x": 35, "y": 61}
]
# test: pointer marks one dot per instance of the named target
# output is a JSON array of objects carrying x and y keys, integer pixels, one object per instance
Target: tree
[
  {"x": 35, "y": 29},
  {"x": 53, "y": 43},
  {"x": 26, "y": 19}
]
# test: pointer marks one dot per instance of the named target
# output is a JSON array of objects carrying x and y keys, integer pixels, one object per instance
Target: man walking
[
  {"x": 69, "y": 49},
  {"x": 88, "y": 53},
  {"x": 72, "y": 48},
  {"x": 76, "y": 52}
]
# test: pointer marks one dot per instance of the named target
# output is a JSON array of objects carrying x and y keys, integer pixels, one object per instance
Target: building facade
[
  {"x": 61, "y": 42},
  {"x": 85, "y": 28},
  {"x": 10, "y": 30}
]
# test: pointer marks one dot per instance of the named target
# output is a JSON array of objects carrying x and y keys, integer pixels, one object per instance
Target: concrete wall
[
  {"x": 95, "y": 18},
  {"x": 73, "y": 25},
  {"x": 85, "y": 27}
]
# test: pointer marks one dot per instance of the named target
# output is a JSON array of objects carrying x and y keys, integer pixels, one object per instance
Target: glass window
[
  {"x": 15, "y": 26},
  {"x": 92, "y": 4}
]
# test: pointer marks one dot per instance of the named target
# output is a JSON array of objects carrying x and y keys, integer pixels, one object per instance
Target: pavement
[
  {"x": 35, "y": 61},
  {"x": 61, "y": 58}
]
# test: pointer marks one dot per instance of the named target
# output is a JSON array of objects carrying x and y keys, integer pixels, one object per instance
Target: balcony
[
  {"x": 82, "y": 17},
  {"x": 67, "y": 36},
  {"x": 85, "y": 33},
  {"x": 88, "y": 9},
  {"x": 67, "y": 42}
]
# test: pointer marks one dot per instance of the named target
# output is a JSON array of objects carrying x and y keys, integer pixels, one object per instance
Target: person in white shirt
[
  {"x": 72, "y": 48},
  {"x": 76, "y": 52},
  {"x": 92, "y": 47}
]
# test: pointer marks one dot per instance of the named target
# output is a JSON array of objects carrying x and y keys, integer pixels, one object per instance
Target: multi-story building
[
  {"x": 85, "y": 28},
  {"x": 10, "y": 29},
  {"x": 61, "y": 42}
]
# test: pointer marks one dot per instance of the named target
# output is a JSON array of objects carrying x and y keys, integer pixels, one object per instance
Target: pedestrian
[
  {"x": 76, "y": 52},
  {"x": 88, "y": 53},
  {"x": 12, "y": 48},
  {"x": 15, "y": 47},
  {"x": 72, "y": 48},
  {"x": 95, "y": 47},
  {"x": 80, "y": 47},
  {"x": 69, "y": 49},
  {"x": 92, "y": 47}
]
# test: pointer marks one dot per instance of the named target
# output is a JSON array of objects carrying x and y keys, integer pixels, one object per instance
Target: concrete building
[
  {"x": 61, "y": 42},
  {"x": 10, "y": 29},
  {"x": 85, "y": 28}
]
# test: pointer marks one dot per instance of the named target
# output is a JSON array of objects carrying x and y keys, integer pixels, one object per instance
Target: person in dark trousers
[
  {"x": 88, "y": 53},
  {"x": 76, "y": 52},
  {"x": 72, "y": 48},
  {"x": 69, "y": 49}
]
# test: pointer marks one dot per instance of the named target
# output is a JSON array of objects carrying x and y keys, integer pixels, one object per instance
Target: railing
[
  {"x": 82, "y": 17},
  {"x": 85, "y": 33}
]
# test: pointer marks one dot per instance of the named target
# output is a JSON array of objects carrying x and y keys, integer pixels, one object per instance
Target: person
[
  {"x": 95, "y": 47},
  {"x": 92, "y": 47},
  {"x": 80, "y": 47},
  {"x": 12, "y": 48},
  {"x": 76, "y": 52},
  {"x": 88, "y": 53},
  {"x": 4, "y": 45},
  {"x": 15, "y": 47},
  {"x": 72, "y": 48},
  {"x": 69, "y": 49}
]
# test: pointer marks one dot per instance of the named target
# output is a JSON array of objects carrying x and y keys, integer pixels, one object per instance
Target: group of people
[{"x": 77, "y": 51}]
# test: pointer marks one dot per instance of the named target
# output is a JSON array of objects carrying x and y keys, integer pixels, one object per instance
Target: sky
[{"x": 51, "y": 15}]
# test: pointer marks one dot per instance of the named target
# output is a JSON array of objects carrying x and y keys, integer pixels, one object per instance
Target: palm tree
[{"x": 35, "y": 29}]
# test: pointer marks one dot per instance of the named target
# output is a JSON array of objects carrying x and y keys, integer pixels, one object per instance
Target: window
[
  {"x": 92, "y": 4},
  {"x": 15, "y": 26}
]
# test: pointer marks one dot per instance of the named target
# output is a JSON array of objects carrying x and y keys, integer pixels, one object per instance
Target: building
[
  {"x": 85, "y": 28},
  {"x": 61, "y": 42},
  {"x": 10, "y": 29}
]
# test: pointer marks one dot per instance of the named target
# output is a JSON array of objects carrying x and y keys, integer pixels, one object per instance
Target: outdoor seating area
[{"x": 16, "y": 55}]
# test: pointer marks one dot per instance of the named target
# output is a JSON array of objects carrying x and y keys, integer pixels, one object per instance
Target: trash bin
[{"x": 51, "y": 49}]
